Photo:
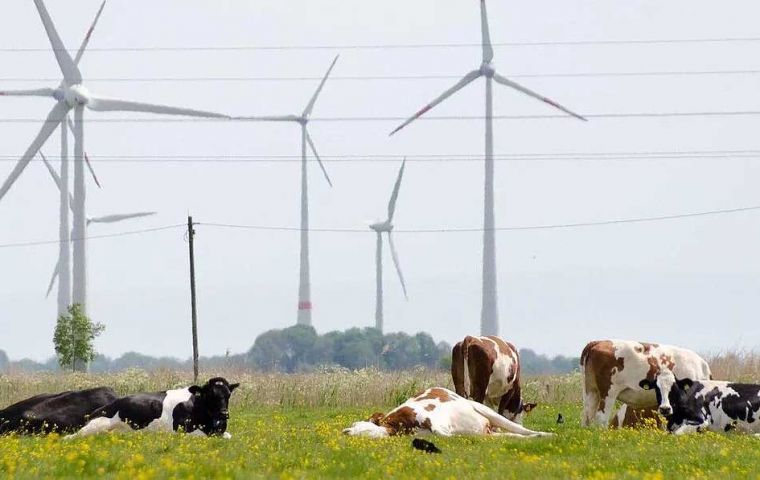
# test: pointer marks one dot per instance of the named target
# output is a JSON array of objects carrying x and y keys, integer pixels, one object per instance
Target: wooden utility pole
[{"x": 190, "y": 235}]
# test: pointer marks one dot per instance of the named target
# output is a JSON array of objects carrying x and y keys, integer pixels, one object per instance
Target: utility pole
[{"x": 190, "y": 235}]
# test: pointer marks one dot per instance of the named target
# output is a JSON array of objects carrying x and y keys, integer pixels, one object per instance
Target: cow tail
[
  {"x": 466, "y": 366},
  {"x": 499, "y": 421}
]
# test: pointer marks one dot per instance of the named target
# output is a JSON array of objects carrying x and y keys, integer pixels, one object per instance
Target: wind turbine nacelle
[
  {"x": 487, "y": 70},
  {"x": 76, "y": 95}
]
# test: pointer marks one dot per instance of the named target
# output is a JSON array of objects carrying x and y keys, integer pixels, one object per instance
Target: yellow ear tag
[{"x": 645, "y": 387}]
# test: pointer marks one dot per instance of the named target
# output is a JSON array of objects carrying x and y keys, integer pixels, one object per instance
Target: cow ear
[
  {"x": 685, "y": 384},
  {"x": 645, "y": 384},
  {"x": 195, "y": 390},
  {"x": 376, "y": 418},
  {"x": 234, "y": 386},
  {"x": 527, "y": 407}
]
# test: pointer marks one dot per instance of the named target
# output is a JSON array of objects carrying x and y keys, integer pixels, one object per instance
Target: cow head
[
  {"x": 525, "y": 408},
  {"x": 675, "y": 401},
  {"x": 211, "y": 405},
  {"x": 370, "y": 428}
]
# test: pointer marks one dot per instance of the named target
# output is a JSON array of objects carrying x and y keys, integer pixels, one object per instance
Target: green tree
[
  {"x": 4, "y": 362},
  {"x": 73, "y": 339}
]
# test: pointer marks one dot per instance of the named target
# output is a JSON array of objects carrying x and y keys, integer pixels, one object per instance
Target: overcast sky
[{"x": 692, "y": 282}]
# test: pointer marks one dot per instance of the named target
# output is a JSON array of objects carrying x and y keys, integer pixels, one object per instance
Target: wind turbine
[
  {"x": 72, "y": 95},
  {"x": 64, "y": 252},
  {"x": 386, "y": 227},
  {"x": 61, "y": 270},
  {"x": 304, "y": 285},
  {"x": 489, "y": 317}
]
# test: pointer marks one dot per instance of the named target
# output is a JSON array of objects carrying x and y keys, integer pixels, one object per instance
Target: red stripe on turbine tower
[{"x": 304, "y": 305}]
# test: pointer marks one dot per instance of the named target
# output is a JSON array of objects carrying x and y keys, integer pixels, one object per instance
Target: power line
[
  {"x": 498, "y": 229},
  {"x": 390, "y": 77},
  {"x": 419, "y": 230},
  {"x": 402, "y": 46},
  {"x": 419, "y": 158},
  {"x": 732, "y": 113},
  {"x": 110, "y": 235}
]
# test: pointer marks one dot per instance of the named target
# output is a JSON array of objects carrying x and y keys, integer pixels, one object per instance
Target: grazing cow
[
  {"x": 197, "y": 410},
  {"x": 439, "y": 411},
  {"x": 487, "y": 370},
  {"x": 57, "y": 412},
  {"x": 698, "y": 405},
  {"x": 629, "y": 417},
  {"x": 613, "y": 369}
]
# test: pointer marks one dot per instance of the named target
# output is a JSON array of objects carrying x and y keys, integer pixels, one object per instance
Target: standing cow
[
  {"x": 487, "y": 370},
  {"x": 613, "y": 370},
  {"x": 54, "y": 412}
]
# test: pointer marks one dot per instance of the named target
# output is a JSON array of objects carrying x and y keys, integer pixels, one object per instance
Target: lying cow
[
  {"x": 487, "y": 370},
  {"x": 54, "y": 412},
  {"x": 613, "y": 369},
  {"x": 196, "y": 410},
  {"x": 698, "y": 405},
  {"x": 629, "y": 417},
  {"x": 441, "y": 412}
]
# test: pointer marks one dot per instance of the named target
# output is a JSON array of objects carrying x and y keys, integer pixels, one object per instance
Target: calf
[
  {"x": 441, "y": 412},
  {"x": 613, "y": 369},
  {"x": 57, "y": 412},
  {"x": 487, "y": 370},
  {"x": 197, "y": 410},
  {"x": 698, "y": 405}
]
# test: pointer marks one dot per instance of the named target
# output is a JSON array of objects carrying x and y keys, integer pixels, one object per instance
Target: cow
[
  {"x": 439, "y": 411},
  {"x": 487, "y": 370},
  {"x": 195, "y": 410},
  {"x": 63, "y": 412},
  {"x": 698, "y": 405},
  {"x": 629, "y": 417},
  {"x": 613, "y": 369}
]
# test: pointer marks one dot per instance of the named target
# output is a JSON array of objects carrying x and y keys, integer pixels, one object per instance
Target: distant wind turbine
[
  {"x": 489, "y": 317},
  {"x": 72, "y": 95},
  {"x": 386, "y": 227},
  {"x": 60, "y": 271},
  {"x": 304, "y": 285},
  {"x": 64, "y": 252}
]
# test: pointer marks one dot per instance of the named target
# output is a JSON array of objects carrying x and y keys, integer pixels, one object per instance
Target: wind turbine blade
[
  {"x": 51, "y": 170},
  {"x": 394, "y": 195},
  {"x": 469, "y": 78},
  {"x": 35, "y": 92},
  {"x": 86, "y": 157},
  {"x": 531, "y": 93},
  {"x": 101, "y": 104},
  {"x": 53, "y": 120},
  {"x": 394, "y": 255},
  {"x": 485, "y": 32},
  {"x": 270, "y": 118},
  {"x": 119, "y": 217},
  {"x": 86, "y": 40},
  {"x": 319, "y": 160},
  {"x": 310, "y": 106},
  {"x": 69, "y": 69},
  {"x": 53, "y": 277}
]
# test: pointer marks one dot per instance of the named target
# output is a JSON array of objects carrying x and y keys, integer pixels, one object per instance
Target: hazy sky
[{"x": 693, "y": 282}]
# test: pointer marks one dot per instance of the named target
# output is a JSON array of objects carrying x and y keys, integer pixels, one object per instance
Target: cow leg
[
  {"x": 605, "y": 408},
  {"x": 457, "y": 369},
  {"x": 100, "y": 425},
  {"x": 591, "y": 402}
]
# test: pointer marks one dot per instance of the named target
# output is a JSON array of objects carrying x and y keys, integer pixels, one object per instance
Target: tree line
[{"x": 301, "y": 349}]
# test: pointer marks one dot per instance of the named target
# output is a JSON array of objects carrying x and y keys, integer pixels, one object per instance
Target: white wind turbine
[
  {"x": 72, "y": 95},
  {"x": 304, "y": 285},
  {"x": 64, "y": 252},
  {"x": 489, "y": 319},
  {"x": 386, "y": 227},
  {"x": 61, "y": 270}
]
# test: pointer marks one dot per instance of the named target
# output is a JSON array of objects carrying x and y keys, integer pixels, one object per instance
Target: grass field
[{"x": 290, "y": 427}]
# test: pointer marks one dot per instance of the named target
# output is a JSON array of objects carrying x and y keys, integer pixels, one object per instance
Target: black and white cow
[
  {"x": 195, "y": 410},
  {"x": 63, "y": 412},
  {"x": 698, "y": 405}
]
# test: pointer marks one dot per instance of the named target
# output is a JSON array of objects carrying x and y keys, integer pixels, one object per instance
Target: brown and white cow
[
  {"x": 614, "y": 369},
  {"x": 629, "y": 417},
  {"x": 487, "y": 370},
  {"x": 439, "y": 411}
]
